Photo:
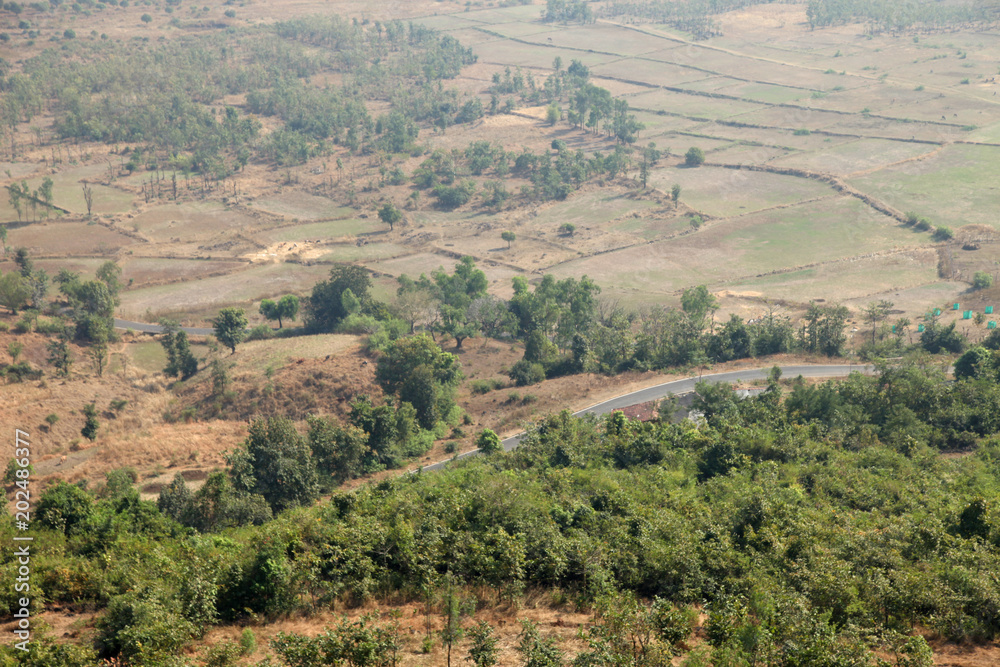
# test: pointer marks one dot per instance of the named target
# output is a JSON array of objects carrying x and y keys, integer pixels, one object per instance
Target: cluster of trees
[
  {"x": 568, "y": 11},
  {"x": 816, "y": 527},
  {"x": 552, "y": 174},
  {"x": 160, "y": 95},
  {"x": 566, "y": 329},
  {"x": 694, "y": 16},
  {"x": 888, "y": 16},
  {"x": 22, "y": 198}
]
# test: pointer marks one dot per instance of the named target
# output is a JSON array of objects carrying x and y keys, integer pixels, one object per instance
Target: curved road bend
[
  {"x": 677, "y": 387},
  {"x": 685, "y": 386}
]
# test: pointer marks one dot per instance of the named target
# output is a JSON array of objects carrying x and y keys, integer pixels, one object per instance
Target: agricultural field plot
[
  {"x": 856, "y": 155},
  {"x": 763, "y": 71},
  {"x": 759, "y": 92},
  {"x": 746, "y": 154},
  {"x": 603, "y": 38},
  {"x": 513, "y": 53},
  {"x": 18, "y": 169},
  {"x": 85, "y": 266},
  {"x": 67, "y": 191},
  {"x": 956, "y": 187},
  {"x": 650, "y": 227},
  {"x": 949, "y": 111},
  {"x": 658, "y": 124},
  {"x": 140, "y": 271},
  {"x": 648, "y": 70},
  {"x": 519, "y": 13},
  {"x": 363, "y": 253},
  {"x": 303, "y": 206},
  {"x": 192, "y": 221},
  {"x": 209, "y": 294},
  {"x": 526, "y": 252},
  {"x": 896, "y": 129},
  {"x": 519, "y": 29},
  {"x": 469, "y": 37},
  {"x": 861, "y": 280},
  {"x": 590, "y": 210},
  {"x": 322, "y": 231},
  {"x": 446, "y": 22},
  {"x": 779, "y": 138},
  {"x": 755, "y": 244},
  {"x": 695, "y": 106},
  {"x": 67, "y": 238},
  {"x": 988, "y": 134},
  {"x": 797, "y": 118},
  {"x": 721, "y": 192}
]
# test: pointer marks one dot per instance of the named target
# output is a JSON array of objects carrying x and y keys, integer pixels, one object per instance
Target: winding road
[
  {"x": 676, "y": 387},
  {"x": 679, "y": 387}
]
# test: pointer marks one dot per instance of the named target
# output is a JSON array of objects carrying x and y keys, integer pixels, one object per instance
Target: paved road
[
  {"x": 676, "y": 387},
  {"x": 156, "y": 328},
  {"x": 685, "y": 386}
]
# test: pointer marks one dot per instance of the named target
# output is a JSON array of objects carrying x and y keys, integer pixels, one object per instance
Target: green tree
[
  {"x": 110, "y": 274},
  {"x": 483, "y": 651},
  {"x": 452, "y": 631},
  {"x": 509, "y": 237},
  {"x": 982, "y": 280},
  {"x": 14, "y": 291},
  {"x": 60, "y": 356},
  {"x": 675, "y": 193},
  {"x": 977, "y": 362},
  {"x": 390, "y": 215},
  {"x": 695, "y": 157},
  {"x": 567, "y": 229},
  {"x": 488, "y": 442},
  {"x": 90, "y": 425},
  {"x": 285, "y": 308},
  {"x": 181, "y": 362},
  {"x": 276, "y": 463},
  {"x": 230, "y": 327},
  {"x": 325, "y": 308},
  {"x": 100, "y": 337},
  {"x": 417, "y": 371},
  {"x": 146, "y": 18},
  {"x": 45, "y": 192},
  {"x": 698, "y": 302},
  {"x": 877, "y": 312},
  {"x": 553, "y": 114},
  {"x": 64, "y": 507}
]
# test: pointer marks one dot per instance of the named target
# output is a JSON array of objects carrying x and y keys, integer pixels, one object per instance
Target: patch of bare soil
[{"x": 947, "y": 654}]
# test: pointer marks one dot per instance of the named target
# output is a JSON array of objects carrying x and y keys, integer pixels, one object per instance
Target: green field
[
  {"x": 848, "y": 280},
  {"x": 754, "y": 244},
  {"x": 721, "y": 192},
  {"x": 958, "y": 186},
  {"x": 852, "y": 156}
]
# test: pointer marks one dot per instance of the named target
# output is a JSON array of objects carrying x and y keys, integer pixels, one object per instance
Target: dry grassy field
[{"x": 888, "y": 116}]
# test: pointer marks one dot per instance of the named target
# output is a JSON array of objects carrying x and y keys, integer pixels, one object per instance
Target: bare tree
[{"x": 88, "y": 196}]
